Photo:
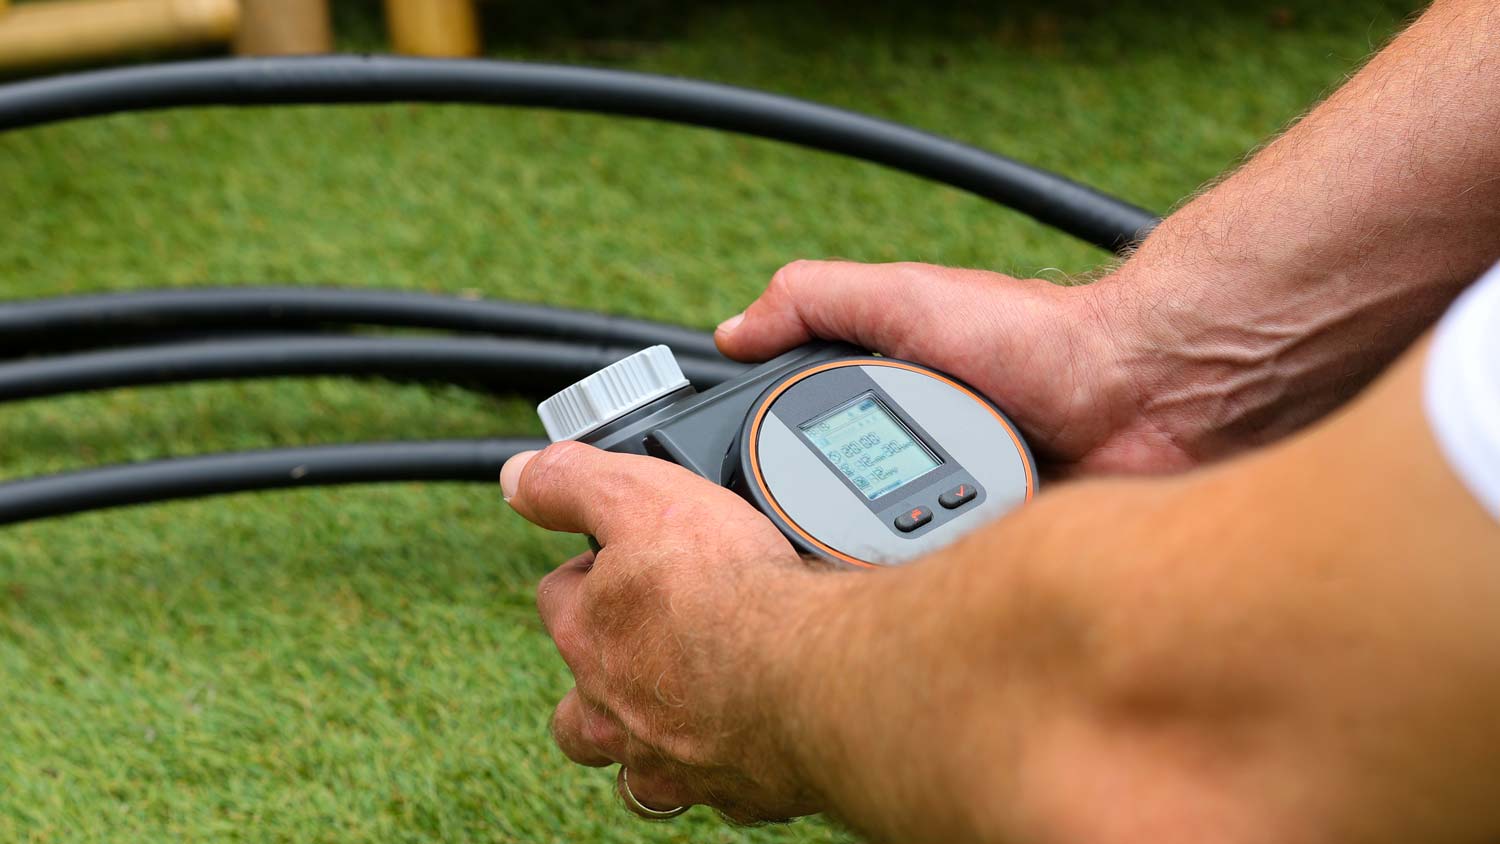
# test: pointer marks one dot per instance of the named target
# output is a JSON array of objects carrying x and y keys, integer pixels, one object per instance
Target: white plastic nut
[{"x": 611, "y": 393}]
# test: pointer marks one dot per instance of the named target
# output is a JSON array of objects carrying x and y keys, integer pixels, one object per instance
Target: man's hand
[
  {"x": 1050, "y": 356},
  {"x": 668, "y": 628},
  {"x": 1251, "y": 312}
]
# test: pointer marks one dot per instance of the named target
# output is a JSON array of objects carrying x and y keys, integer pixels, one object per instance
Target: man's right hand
[
  {"x": 1048, "y": 355},
  {"x": 1252, "y": 311}
]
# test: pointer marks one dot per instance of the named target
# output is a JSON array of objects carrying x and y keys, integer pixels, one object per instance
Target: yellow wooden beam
[
  {"x": 55, "y": 31},
  {"x": 444, "y": 28},
  {"x": 283, "y": 27}
]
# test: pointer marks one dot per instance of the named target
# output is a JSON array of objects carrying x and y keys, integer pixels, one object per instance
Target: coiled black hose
[
  {"x": 1073, "y": 208},
  {"x": 1064, "y": 204},
  {"x": 85, "y": 320},
  {"x": 191, "y": 477},
  {"x": 526, "y": 366}
]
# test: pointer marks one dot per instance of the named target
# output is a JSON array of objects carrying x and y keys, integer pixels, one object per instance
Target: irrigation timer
[{"x": 858, "y": 458}]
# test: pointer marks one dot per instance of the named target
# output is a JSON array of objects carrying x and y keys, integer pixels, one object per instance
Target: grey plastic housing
[
  {"x": 698, "y": 431},
  {"x": 820, "y": 512}
]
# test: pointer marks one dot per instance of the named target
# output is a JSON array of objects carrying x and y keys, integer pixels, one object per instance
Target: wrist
[
  {"x": 1226, "y": 342},
  {"x": 802, "y": 665},
  {"x": 1212, "y": 358},
  {"x": 1126, "y": 350}
]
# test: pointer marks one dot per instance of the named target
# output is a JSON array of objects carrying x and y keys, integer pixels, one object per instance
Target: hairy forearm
[
  {"x": 928, "y": 703},
  {"x": 1277, "y": 294},
  {"x": 1240, "y": 654}
]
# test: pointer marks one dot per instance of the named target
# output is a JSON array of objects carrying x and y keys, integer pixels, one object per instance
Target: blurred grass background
[{"x": 362, "y": 665}]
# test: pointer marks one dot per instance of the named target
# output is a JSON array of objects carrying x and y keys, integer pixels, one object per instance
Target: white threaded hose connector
[{"x": 610, "y": 393}]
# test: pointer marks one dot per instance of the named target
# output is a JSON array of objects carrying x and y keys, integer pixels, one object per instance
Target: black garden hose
[
  {"x": 281, "y": 468},
  {"x": 1059, "y": 202},
  {"x": 508, "y": 365},
  {"x": 94, "y": 319},
  {"x": 1072, "y": 208}
]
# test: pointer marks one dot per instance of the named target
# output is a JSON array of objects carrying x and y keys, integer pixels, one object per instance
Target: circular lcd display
[{"x": 874, "y": 462}]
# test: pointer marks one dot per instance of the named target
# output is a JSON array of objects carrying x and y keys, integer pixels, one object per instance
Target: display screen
[{"x": 870, "y": 446}]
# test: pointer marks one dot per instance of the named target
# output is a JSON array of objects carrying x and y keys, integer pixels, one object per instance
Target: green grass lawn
[{"x": 363, "y": 665}]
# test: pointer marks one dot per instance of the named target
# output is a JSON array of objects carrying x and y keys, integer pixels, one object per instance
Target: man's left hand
[{"x": 671, "y": 629}]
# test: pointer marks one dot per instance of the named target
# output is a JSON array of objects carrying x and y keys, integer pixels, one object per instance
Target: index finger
[
  {"x": 577, "y": 488},
  {"x": 881, "y": 307}
]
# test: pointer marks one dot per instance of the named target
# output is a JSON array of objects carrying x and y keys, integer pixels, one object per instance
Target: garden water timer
[{"x": 856, "y": 458}]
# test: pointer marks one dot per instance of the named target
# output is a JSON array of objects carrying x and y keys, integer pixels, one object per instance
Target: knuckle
[
  {"x": 574, "y": 749},
  {"x": 556, "y": 462},
  {"x": 546, "y": 588},
  {"x": 562, "y": 626},
  {"x": 576, "y": 736},
  {"x": 608, "y": 477},
  {"x": 618, "y": 593},
  {"x": 913, "y": 272},
  {"x": 602, "y": 732},
  {"x": 569, "y": 643},
  {"x": 574, "y": 652},
  {"x": 785, "y": 280},
  {"x": 564, "y": 725},
  {"x": 582, "y": 479}
]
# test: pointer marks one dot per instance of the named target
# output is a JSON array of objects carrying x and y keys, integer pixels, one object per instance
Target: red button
[
  {"x": 915, "y": 518},
  {"x": 958, "y": 496}
]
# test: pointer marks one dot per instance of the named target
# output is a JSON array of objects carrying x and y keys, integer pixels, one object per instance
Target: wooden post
[
  {"x": 283, "y": 27},
  {"x": 79, "y": 30},
  {"x": 443, "y": 28}
]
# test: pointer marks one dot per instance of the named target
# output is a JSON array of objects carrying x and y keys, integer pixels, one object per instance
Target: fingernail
[
  {"x": 728, "y": 326},
  {"x": 510, "y": 474}
]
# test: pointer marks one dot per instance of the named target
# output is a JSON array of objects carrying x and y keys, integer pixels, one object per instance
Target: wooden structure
[
  {"x": 283, "y": 27},
  {"x": 47, "y": 32},
  {"x": 57, "y": 31},
  {"x": 445, "y": 28}
]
